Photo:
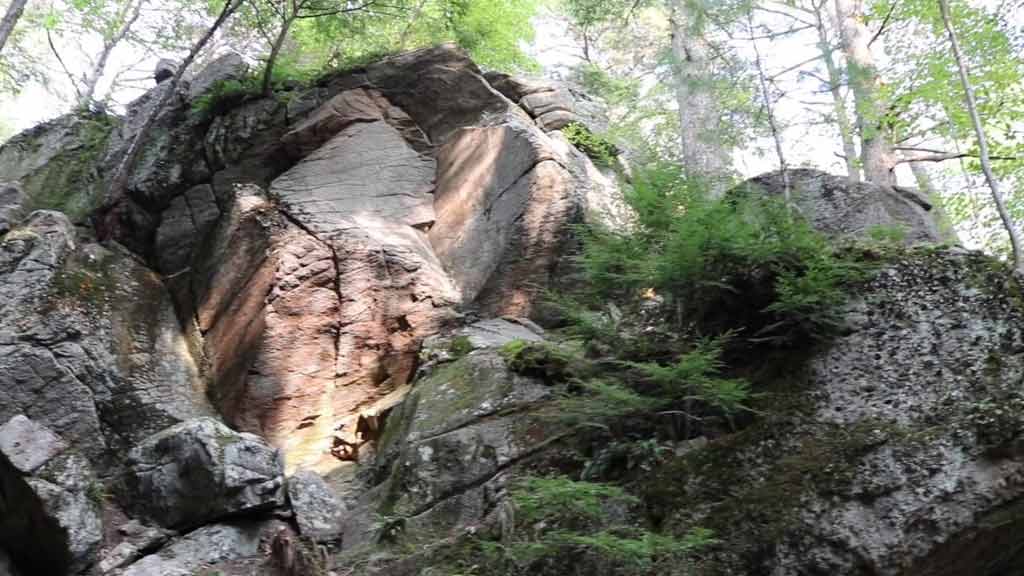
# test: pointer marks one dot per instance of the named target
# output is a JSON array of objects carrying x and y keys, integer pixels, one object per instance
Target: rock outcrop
[
  {"x": 841, "y": 209},
  {"x": 346, "y": 275},
  {"x": 329, "y": 236},
  {"x": 235, "y": 473},
  {"x": 897, "y": 449},
  {"x": 49, "y": 508},
  {"x": 453, "y": 443},
  {"x": 90, "y": 345},
  {"x": 304, "y": 249}
]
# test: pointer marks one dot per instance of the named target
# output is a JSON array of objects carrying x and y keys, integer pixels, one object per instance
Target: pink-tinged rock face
[
  {"x": 504, "y": 204},
  {"x": 402, "y": 196}
]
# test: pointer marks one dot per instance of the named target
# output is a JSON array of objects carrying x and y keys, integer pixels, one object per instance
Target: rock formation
[{"x": 353, "y": 264}]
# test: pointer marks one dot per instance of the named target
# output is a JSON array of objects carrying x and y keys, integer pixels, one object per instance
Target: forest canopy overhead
[{"x": 873, "y": 89}]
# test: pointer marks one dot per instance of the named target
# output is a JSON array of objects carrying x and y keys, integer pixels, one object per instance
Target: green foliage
[
  {"x": 224, "y": 95},
  {"x": 322, "y": 40},
  {"x": 559, "y": 499},
  {"x": 600, "y": 150},
  {"x": 550, "y": 362},
  {"x": 598, "y": 401},
  {"x": 695, "y": 376},
  {"x": 97, "y": 492},
  {"x": 561, "y": 523},
  {"x": 741, "y": 263},
  {"x": 460, "y": 346},
  {"x": 493, "y": 31},
  {"x": 891, "y": 235}
]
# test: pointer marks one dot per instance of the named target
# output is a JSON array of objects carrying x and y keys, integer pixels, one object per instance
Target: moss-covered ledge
[{"x": 900, "y": 434}]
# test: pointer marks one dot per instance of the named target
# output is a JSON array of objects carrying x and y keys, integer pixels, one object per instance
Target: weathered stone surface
[
  {"x": 135, "y": 541},
  {"x": 49, "y": 517},
  {"x": 56, "y": 164},
  {"x": 234, "y": 472},
  {"x": 319, "y": 312},
  {"x": 840, "y": 209},
  {"x": 171, "y": 157},
  {"x": 267, "y": 302},
  {"x": 203, "y": 550},
  {"x": 230, "y": 66},
  {"x": 317, "y": 510},
  {"x": 449, "y": 442},
  {"x": 441, "y": 89},
  {"x": 89, "y": 343},
  {"x": 902, "y": 447},
  {"x": 27, "y": 445},
  {"x": 491, "y": 333},
  {"x": 184, "y": 226},
  {"x": 250, "y": 134},
  {"x": 365, "y": 170},
  {"x": 556, "y": 120},
  {"x": 505, "y": 205},
  {"x": 12, "y": 200},
  {"x": 540, "y": 103},
  {"x": 347, "y": 108},
  {"x": 552, "y": 103}
]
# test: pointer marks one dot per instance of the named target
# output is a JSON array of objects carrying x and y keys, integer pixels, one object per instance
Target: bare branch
[
  {"x": 885, "y": 22},
  {"x": 71, "y": 77},
  {"x": 795, "y": 66}
]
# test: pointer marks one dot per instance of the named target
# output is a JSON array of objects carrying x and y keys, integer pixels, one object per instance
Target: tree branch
[
  {"x": 885, "y": 22},
  {"x": 932, "y": 155},
  {"x": 71, "y": 77}
]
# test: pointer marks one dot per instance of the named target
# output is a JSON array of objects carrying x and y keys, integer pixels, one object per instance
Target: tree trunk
[
  {"x": 838, "y": 102},
  {"x": 876, "y": 149},
  {"x": 108, "y": 213},
  {"x": 85, "y": 96},
  {"x": 979, "y": 131},
  {"x": 10, "y": 19},
  {"x": 701, "y": 153},
  {"x": 268, "y": 72},
  {"x": 766, "y": 96}
]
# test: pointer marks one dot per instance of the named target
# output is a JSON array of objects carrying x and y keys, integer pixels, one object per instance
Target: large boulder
[
  {"x": 311, "y": 242},
  {"x": 896, "y": 451},
  {"x": 237, "y": 546},
  {"x": 839, "y": 208},
  {"x": 318, "y": 511},
  {"x": 233, "y": 472},
  {"x": 91, "y": 346},
  {"x": 441, "y": 89},
  {"x": 58, "y": 164},
  {"x": 49, "y": 501},
  {"x": 450, "y": 447}
]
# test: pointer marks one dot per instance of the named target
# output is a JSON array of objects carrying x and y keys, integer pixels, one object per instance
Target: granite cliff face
[{"x": 285, "y": 349}]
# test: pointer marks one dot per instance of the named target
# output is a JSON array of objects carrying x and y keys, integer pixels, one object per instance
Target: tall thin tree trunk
[
  {"x": 700, "y": 150},
  {"x": 119, "y": 182},
  {"x": 86, "y": 95},
  {"x": 275, "y": 50},
  {"x": 772, "y": 125},
  {"x": 838, "y": 102},
  {"x": 876, "y": 149},
  {"x": 10, "y": 20},
  {"x": 979, "y": 131}
]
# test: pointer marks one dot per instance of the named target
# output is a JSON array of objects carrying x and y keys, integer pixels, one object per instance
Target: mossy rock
[
  {"x": 58, "y": 163},
  {"x": 552, "y": 363}
]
